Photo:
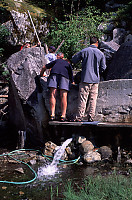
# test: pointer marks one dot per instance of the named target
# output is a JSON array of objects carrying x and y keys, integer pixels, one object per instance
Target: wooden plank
[
  {"x": 66, "y": 123},
  {"x": 94, "y": 123},
  {"x": 114, "y": 124}
]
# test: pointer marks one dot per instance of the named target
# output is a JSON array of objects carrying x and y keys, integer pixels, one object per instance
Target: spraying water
[{"x": 52, "y": 168}]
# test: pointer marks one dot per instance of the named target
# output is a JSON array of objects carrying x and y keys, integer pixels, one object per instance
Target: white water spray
[{"x": 52, "y": 168}]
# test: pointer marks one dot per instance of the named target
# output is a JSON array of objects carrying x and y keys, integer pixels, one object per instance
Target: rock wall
[{"x": 114, "y": 102}]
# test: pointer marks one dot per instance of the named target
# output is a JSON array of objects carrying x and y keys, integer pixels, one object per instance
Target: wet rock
[
  {"x": 105, "y": 152},
  {"x": 13, "y": 161},
  {"x": 40, "y": 159},
  {"x": 65, "y": 154},
  {"x": 91, "y": 157},
  {"x": 86, "y": 146},
  {"x": 32, "y": 162},
  {"x": 50, "y": 148},
  {"x": 20, "y": 170},
  {"x": 80, "y": 139},
  {"x": 71, "y": 155}
]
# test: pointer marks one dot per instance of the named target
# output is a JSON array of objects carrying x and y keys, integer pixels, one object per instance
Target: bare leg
[
  {"x": 63, "y": 96},
  {"x": 53, "y": 92}
]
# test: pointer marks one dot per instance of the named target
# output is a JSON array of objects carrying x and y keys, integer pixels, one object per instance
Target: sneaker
[
  {"x": 62, "y": 119},
  {"x": 90, "y": 119},
  {"x": 52, "y": 117}
]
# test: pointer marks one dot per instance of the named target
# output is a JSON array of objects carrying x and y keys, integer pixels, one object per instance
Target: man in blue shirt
[
  {"x": 93, "y": 64},
  {"x": 60, "y": 77}
]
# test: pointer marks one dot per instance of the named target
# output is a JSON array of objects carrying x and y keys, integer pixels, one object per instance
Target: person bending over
[{"x": 60, "y": 77}]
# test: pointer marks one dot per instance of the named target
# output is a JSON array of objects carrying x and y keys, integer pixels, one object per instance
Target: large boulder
[
  {"x": 105, "y": 152},
  {"x": 121, "y": 65},
  {"x": 20, "y": 27},
  {"x": 86, "y": 146},
  {"x": 26, "y": 108},
  {"x": 109, "y": 49},
  {"x": 92, "y": 157}
]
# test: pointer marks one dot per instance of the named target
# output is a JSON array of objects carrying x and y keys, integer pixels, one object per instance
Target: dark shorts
[{"x": 58, "y": 81}]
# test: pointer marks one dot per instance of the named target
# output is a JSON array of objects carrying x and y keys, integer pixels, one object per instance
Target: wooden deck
[{"x": 95, "y": 123}]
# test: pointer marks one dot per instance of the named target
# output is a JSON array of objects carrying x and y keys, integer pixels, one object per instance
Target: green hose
[
  {"x": 25, "y": 182},
  {"x": 35, "y": 174}
]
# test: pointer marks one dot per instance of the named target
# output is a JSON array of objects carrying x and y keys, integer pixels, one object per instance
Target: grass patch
[{"x": 114, "y": 187}]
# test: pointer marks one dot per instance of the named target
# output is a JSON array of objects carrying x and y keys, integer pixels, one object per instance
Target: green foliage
[
  {"x": 115, "y": 187},
  {"x": 5, "y": 72},
  {"x": 3, "y": 34},
  {"x": 76, "y": 31}
]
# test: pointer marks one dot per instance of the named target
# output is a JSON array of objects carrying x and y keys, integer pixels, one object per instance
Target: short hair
[
  {"x": 52, "y": 48},
  {"x": 93, "y": 39}
]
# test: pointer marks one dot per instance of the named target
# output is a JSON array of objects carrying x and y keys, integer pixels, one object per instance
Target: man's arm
[
  {"x": 77, "y": 57},
  {"x": 103, "y": 64},
  {"x": 42, "y": 70}
]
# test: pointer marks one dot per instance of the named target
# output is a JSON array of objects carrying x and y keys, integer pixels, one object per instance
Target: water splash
[{"x": 52, "y": 168}]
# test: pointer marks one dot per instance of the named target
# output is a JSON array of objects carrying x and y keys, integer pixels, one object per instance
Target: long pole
[
  {"x": 59, "y": 46},
  {"x": 34, "y": 28}
]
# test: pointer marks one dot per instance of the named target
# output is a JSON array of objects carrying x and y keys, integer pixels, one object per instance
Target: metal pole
[{"x": 34, "y": 28}]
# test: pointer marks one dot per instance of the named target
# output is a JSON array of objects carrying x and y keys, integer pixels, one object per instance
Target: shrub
[
  {"x": 3, "y": 35},
  {"x": 76, "y": 31}
]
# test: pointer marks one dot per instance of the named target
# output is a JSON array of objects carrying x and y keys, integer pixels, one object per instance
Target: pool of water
[{"x": 47, "y": 187}]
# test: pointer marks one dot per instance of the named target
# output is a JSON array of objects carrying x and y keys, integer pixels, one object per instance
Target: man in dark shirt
[
  {"x": 93, "y": 64},
  {"x": 60, "y": 77}
]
